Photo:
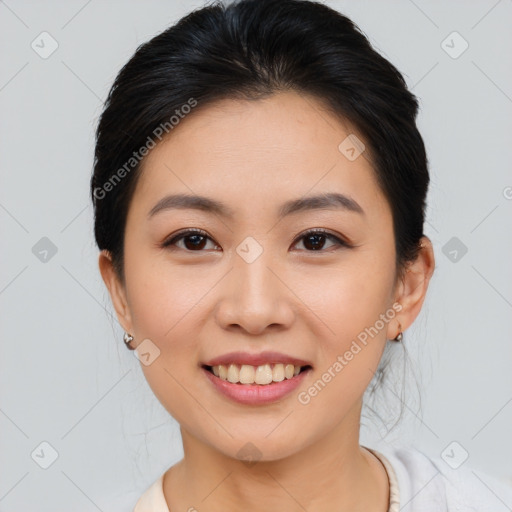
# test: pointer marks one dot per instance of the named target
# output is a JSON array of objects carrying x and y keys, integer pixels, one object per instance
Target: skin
[{"x": 198, "y": 304}]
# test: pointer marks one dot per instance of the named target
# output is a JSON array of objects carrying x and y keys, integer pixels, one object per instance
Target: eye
[
  {"x": 314, "y": 240},
  {"x": 197, "y": 239},
  {"x": 193, "y": 239}
]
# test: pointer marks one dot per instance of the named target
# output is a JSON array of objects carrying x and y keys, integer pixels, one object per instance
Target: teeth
[
  {"x": 278, "y": 373},
  {"x": 246, "y": 375},
  {"x": 233, "y": 373},
  {"x": 263, "y": 374},
  {"x": 223, "y": 372}
]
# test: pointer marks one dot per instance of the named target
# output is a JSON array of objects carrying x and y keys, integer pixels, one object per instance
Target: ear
[
  {"x": 116, "y": 290},
  {"x": 412, "y": 288}
]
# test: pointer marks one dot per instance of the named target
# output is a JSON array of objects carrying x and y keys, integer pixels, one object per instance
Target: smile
[
  {"x": 252, "y": 393},
  {"x": 263, "y": 374}
]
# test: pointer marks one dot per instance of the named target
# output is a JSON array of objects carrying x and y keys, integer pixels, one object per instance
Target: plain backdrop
[{"x": 66, "y": 379}]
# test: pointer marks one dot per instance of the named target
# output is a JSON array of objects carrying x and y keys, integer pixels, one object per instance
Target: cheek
[
  {"x": 162, "y": 298},
  {"x": 353, "y": 304},
  {"x": 349, "y": 298},
  {"x": 166, "y": 308},
  {"x": 350, "y": 339}
]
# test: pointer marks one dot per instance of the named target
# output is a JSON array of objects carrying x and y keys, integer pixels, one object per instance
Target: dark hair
[{"x": 248, "y": 50}]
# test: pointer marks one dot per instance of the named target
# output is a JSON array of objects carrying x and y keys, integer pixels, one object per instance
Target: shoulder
[
  {"x": 153, "y": 500},
  {"x": 430, "y": 484}
]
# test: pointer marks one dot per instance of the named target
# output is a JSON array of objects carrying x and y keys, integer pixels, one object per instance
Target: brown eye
[
  {"x": 196, "y": 240},
  {"x": 193, "y": 240},
  {"x": 315, "y": 240}
]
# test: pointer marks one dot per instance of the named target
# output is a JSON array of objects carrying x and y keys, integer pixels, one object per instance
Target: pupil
[
  {"x": 316, "y": 245},
  {"x": 197, "y": 241}
]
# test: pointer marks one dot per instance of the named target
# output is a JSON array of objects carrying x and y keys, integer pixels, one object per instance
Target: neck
[{"x": 332, "y": 473}]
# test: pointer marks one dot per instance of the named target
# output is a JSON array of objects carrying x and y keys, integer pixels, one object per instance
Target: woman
[{"x": 259, "y": 191}]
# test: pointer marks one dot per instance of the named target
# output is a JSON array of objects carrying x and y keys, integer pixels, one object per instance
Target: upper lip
[{"x": 241, "y": 358}]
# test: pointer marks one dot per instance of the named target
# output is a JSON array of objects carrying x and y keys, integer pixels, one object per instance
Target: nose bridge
[
  {"x": 256, "y": 297},
  {"x": 255, "y": 283}
]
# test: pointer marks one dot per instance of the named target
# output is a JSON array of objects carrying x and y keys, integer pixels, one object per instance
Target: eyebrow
[{"x": 326, "y": 201}]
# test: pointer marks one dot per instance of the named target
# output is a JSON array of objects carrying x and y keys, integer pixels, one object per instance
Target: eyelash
[{"x": 338, "y": 241}]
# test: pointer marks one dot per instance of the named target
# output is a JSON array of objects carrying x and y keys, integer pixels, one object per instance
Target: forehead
[{"x": 285, "y": 145}]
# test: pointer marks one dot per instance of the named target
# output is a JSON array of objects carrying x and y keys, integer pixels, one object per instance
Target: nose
[{"x": 255, "y": 297}]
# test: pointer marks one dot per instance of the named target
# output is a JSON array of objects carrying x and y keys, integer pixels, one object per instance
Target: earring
[
  {"x": 399, "y": 336},
  {"x": 127, "y": 338}
]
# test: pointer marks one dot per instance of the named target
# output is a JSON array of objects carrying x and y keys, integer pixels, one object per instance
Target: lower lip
[{"x": 255, "y": 394}]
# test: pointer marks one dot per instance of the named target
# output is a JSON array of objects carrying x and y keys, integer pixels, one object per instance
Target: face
[{"x": 314, "y": 281}]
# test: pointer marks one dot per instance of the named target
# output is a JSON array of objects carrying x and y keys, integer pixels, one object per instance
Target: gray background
[{"x": 66, "y": 378}]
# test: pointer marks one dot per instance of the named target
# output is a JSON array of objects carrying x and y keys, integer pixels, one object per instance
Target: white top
[{"x": 418, "y": 483}]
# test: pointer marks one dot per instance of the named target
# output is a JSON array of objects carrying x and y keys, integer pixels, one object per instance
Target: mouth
[{"x": 262, "y": 375}]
